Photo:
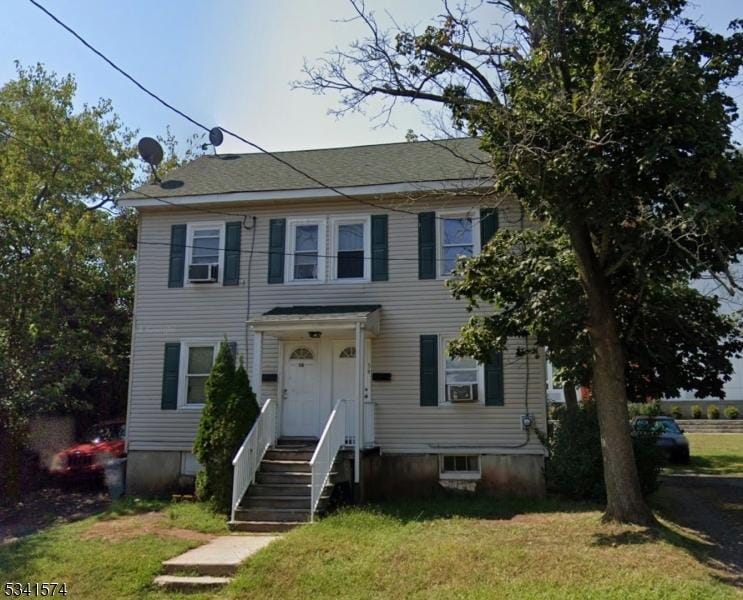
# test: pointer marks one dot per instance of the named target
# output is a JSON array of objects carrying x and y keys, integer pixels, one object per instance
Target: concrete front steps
[
  {"x": 711, "y": 425},
  {"x": 211, "y": 565},
  {"x": 280, "y": 497}
]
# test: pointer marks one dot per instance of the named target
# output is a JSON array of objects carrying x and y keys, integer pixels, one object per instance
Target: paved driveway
[{"x": 712, "y": 506}]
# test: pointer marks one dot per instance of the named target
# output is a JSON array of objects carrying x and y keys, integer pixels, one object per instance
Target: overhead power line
[
  {"x": 123, "y": 244},
  {"x": 197, "y": 123}
]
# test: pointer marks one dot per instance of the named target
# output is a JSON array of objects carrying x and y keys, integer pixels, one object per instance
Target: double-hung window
[
  {"x": 463, "y": 378},
  {"x": 204, "y": 252},
  {"x": 198, "y": 358},
  {"x": 306, "y": 250},
  {"x": 351, "y": 242},
  {"x": 458, "y": 237}
]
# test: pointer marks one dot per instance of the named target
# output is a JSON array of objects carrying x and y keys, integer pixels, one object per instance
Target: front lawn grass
[
  {"x": 714, "y": 454},
  {"x": 443, "y": 548},
  {"x": 478, "y": 549},
  {"x": 112, "y": 555}
]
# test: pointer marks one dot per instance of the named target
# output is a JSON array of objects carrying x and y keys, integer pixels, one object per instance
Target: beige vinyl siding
[{"x": 410, "y": 308}]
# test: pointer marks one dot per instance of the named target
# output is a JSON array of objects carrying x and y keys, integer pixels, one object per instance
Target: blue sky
[{"x": 225, "y": 62}]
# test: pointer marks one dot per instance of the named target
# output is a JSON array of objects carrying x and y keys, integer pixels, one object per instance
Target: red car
[{"x": 85, "y": 461}]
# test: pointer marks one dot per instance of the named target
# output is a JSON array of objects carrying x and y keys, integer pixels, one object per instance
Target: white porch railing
[
  {"x": 332, "y": 439},
  {"x": 248, "y": 458}
]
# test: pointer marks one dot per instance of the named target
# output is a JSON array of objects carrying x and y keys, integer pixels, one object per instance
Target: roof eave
[{"x": 147, "y": 199}]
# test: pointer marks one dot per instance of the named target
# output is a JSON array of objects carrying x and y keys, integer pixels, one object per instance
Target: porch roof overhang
[{"x": 286, "y": 320}]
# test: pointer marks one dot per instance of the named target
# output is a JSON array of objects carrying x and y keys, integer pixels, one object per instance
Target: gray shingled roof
[{"x": 443, "y": 160}]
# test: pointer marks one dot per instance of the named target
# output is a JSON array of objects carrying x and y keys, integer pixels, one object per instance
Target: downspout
[
  {"x": 247, "y": 294},
  {"x": 127, "y": 432}
]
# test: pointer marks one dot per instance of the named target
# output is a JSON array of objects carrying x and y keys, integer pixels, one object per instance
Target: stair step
[
  {"x": 205, "y": 569},
  {"x": 286, "y": 466},
  {"x": 188, "y": 583},
  {"x": 280, "y": 489},
  {"x": 285, "y": 477},
  {"x": 273, "y": 514},
  {"x": 284, "y": 501},
  {"x": 297, "y": 441},
  {"x": 264, "y": 526},
  {"x": 298, "y": 502},
  {"x": 288, "y": 454}
]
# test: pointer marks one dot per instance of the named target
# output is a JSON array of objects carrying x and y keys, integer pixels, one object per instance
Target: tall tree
[
  {"x": 608, "y": 120},
  {"x": 66, "y": 264}
]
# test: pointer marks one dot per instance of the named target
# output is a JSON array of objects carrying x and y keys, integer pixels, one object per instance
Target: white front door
[
  {"x": 301, "y": 397},
  {"x": 344, "y": 386}
]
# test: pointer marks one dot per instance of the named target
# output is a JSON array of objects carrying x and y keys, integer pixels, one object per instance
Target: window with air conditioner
[
  {"x": 463, "y": 378},
  {"x": 205, "y": 252}
]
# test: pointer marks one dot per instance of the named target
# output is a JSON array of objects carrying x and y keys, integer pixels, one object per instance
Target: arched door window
[
  {"x": 348, "y": 352},
  {"x": 302, "y": 353}
]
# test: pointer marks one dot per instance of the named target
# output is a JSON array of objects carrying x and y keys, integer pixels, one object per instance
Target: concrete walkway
[{"x": 213, "y": 563}]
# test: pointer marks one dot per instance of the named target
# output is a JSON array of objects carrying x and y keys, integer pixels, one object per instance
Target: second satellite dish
[
  {"x": 150, "y": 150},
  {"x": 216, "y": 137}
]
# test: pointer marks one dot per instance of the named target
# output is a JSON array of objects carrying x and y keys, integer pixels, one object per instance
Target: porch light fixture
[{"x": 315, "y": 334}]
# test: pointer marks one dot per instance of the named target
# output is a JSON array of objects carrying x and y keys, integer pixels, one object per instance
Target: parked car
[
  {"x": 85, "y": 461},
  {"x": 671, "y": 438}
]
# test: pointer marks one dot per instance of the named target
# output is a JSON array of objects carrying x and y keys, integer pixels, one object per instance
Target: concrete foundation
[
  {"x": 384, "y": 476},
  {"x": 155, "y": 473},
  {"x": 390, "y": 476}
]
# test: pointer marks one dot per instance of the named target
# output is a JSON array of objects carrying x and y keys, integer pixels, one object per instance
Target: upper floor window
[
  {"x": 306, "y": 250},
  {"x": 204, "y": 255},
  {"x": 457, "y": 238},
  {"x": 351, "y": 248}
]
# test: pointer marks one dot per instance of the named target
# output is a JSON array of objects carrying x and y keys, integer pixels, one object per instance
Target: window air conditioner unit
[
  {"x": 203, "y": 273},
  {"x": 462, "y": 393}
]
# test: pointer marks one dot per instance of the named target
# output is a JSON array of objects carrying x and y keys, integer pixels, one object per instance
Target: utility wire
[
  {"x": 220, "y": 249},
  {"x": 197, "y": 123},
  {"x": 12, "y": 136}
]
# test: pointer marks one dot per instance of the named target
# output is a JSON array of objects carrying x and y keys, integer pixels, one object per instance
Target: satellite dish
[
  {"x": 215, "y": 136},
  {"x": 151, "y": 151}
]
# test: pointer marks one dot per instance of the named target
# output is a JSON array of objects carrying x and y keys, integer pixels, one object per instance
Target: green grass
[
  {"x": 714, "y": 454},
  {"x": 447, "y": 548},
  {"x": 113, "y": 555}
]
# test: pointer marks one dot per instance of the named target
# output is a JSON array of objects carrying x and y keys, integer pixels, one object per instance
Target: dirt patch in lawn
[
  {"x": 152, "y": 523},
  {"x": 47, "y": 506}
]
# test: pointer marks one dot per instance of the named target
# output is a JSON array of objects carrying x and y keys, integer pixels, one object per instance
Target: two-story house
[{"x": 330, "y": 295}]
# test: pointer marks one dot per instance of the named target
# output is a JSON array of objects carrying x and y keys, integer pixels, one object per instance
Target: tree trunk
[
  {"x": 625, "y": 503},
  {"x": 571, "y": 399}
]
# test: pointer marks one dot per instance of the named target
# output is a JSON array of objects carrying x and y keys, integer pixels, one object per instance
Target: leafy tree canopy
[
  {"x": 66, "y": 267},
  {"x": 609, "y": 121}
]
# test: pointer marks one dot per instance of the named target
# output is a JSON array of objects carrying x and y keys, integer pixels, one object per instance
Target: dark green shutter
[
  {"x": 232, "y": 253},
  {"x": 429, "y": 382},
  {"x": 276, "y": 242},
  {"x": 233, "y": 350},
  {"x": 488, "y": 224},
  {"x": 171, "y": 364},
  {"x": 494, "y": 380},
  {"x": 427, "y": 245},
  {"x": 177, "y": 256},
  {"x": 379, "y": 252}
]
